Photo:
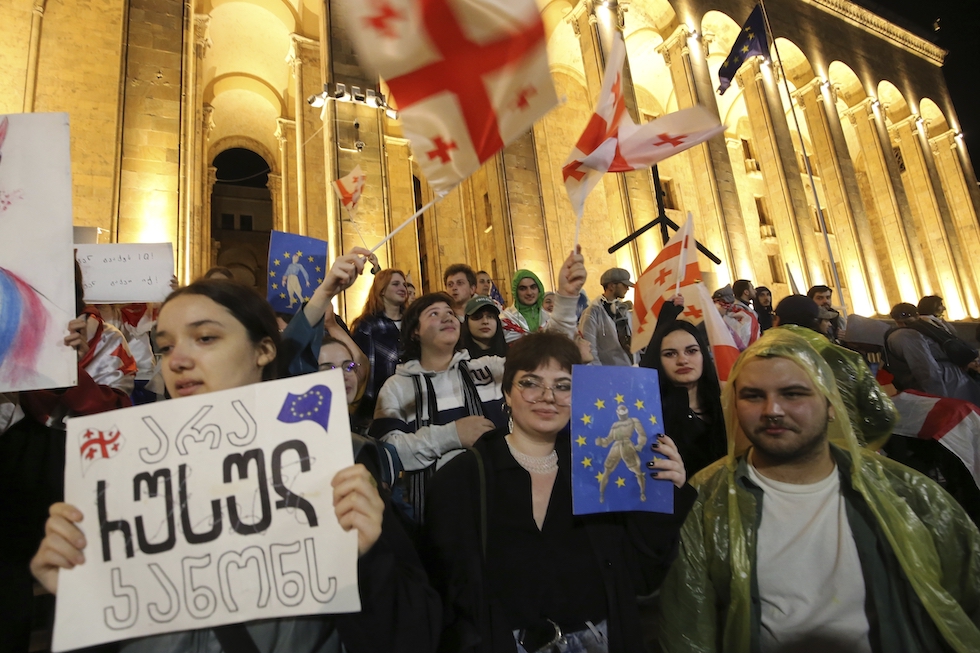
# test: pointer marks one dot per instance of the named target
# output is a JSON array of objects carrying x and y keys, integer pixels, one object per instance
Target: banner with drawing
[
  {"x": 37, "y": 298},
  {"x": 208, "y": 510},
  {"x": 124, "y": 273}
]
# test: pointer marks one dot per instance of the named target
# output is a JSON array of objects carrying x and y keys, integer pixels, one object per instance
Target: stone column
[
  {"x": 955, "y": 185},
  {"x": 856, "y": 254},
  {"x": 211, "y": 250},
  {"x": 285, "y": 131},
  {"x": 932, "y": 213},
  {"x": 33, "y": 51},
  {"x": 720, "y": 225},
  {"x": 780, "y": 170},
  {"x": 892, "y": 242},
  {"x": 203, "y": 203},
  {"x": 295, "y": 59},
  {"x": 274, "y": 185},
  {"x": 756, "y": 239}
]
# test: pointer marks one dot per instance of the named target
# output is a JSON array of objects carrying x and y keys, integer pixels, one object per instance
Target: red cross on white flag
[
  {"x": 612, "y": 142},
  {"x": 659, "y": 282},
  {"x": 467, "y": 76},
  {"x": 349, "y": 190}
]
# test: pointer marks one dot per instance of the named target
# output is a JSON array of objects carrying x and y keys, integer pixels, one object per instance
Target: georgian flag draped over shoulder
[
  {"x": 467, "y": 76},
  {"x": 612, "y": 142},
  {"x": 953, "y": 422},
  {"x": 349, "y": 190}
]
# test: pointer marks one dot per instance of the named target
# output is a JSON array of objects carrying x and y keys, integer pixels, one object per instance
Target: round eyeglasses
[
  {"x": 347, "y": 366},
  {"x": 533, "y": 391}
]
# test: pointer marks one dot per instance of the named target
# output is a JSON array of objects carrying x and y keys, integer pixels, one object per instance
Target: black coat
[{"x": 632, "y": 551}]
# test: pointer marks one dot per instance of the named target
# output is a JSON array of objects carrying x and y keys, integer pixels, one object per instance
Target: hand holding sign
[
  {"x": 61, "y": 547},
  {"x": 358, "y": 505},
  {"x": 670, "y": 468}
]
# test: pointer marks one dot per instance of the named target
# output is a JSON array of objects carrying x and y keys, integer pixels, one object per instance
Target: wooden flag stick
[{"x": 405, "y": 224}]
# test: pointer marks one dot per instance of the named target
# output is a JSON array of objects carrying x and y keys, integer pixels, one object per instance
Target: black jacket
[{"x": 631, "y": 550}]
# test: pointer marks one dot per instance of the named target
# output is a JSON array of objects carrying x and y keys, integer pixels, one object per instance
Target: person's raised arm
[
  {"x": 341, "y": 276},
  {"x": 571, "y": 278}
]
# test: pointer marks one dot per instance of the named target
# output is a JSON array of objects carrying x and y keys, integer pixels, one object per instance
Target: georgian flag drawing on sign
[
  {"x": 467, "y": 76},
  {"x": 612, "y": 142}
]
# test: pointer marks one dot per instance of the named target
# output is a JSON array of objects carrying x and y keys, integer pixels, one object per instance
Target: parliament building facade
[{"x": 157, "y": 89}]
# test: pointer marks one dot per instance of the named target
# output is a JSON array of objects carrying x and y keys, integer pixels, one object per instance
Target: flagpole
[
  {"x": 408, "y": 222},
  {"x": 682, "y": 263},
  {"x": 806, "y": 161}
]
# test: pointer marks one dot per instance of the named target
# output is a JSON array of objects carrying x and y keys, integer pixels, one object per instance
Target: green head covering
[{"x": 532, "y": 313}]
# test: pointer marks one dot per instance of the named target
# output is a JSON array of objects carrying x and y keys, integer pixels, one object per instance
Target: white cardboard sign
[
  {"x": 208, "y": 510},
  {"x": 126, "y": 272},
  {"x": 37, "y": 287}
]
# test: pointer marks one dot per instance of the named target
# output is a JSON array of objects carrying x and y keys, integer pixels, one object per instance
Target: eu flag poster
[
  {"x": 616, "y": 416},
  {"x": 297, "y": 265}
]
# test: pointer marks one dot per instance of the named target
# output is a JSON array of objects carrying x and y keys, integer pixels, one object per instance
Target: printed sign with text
[
  {"x": 208, "y": 510},
  {"x": 126, "y": 273}
]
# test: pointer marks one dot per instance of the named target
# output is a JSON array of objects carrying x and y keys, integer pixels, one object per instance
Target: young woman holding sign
[{"x": 215, "y": 335}]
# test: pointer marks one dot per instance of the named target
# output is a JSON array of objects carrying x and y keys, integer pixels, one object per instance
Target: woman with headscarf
[{"x": 526, "y": 312}]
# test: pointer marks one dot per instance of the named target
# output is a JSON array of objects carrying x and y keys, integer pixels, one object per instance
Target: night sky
[{"x": 959, "y": 34}]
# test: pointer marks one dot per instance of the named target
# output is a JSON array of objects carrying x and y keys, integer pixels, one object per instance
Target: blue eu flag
[
  {"x": 751, "y": 41},
  {"x": 313, "y": 405},
  {"x": 297, "y": 265}
]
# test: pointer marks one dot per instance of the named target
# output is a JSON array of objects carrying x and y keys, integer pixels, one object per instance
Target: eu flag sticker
[
  {"x": 616, "y": 416},
  {"x": 297, "y": 265}
]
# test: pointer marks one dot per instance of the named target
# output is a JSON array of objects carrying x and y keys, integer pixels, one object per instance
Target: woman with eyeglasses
[
  {"x": 517, "y": 571},
  {"x": 440, "y": 400},
  {"x": 215, "y": 335}
]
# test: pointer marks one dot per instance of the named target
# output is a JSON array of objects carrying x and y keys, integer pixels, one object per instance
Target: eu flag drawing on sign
[
  {"x": 616, "y": 415},
  {"x": 297, "y": 265},
  {"x": 751, "y": 41},
  {"x": 313, "y": 405}
]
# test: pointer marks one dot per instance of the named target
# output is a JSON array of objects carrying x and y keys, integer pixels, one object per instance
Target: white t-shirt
[{"x": 810, "y": 581}]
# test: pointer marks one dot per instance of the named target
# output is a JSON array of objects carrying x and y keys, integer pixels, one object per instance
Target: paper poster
[
  {"x": 297, "y": 265},
  {"x": 126, "y": 273},
  {"x": 616, "y": 416},
  {"x": 208, "y": 510},
  {"x": 37, "y": 277}
]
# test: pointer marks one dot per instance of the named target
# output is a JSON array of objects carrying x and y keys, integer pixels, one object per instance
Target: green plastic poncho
[
  {"x": 532, "y": 313},
  {"x": 872, "y": 413},
  {"x": 933, "y": 540}
]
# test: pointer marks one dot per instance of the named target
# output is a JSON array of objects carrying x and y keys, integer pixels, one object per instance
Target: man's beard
[{"x": 802, "y": 452}]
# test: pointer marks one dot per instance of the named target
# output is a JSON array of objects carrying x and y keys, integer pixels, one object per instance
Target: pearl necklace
[{"x": 535, "y": 464}]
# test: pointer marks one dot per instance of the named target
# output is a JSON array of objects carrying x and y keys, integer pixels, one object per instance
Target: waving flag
[
  {"x": 678, "y": 260},
  {"x": 349, "y": 190},
  {"x": 953, "y": 422},
  {"x": 723, "y": 349},
  {"x": 468, "y": 76},
  {"x": 612, "y": 142},
  {"x": 750, "y": 42}
]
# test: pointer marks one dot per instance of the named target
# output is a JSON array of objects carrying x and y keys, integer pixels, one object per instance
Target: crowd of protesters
[{"x": 790, "y": 530}]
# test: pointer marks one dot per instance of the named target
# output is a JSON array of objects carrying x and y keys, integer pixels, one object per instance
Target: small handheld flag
[{"x": 751, "y": 42}]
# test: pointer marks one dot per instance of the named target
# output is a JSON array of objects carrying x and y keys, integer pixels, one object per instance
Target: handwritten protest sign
[
  {"x": 124, "y": 273},
  {"x": 37, "y": 297},
  {"x": 208, "y": 510},
  {"x": 297, "y": 265},
  {"x": 616, "y": 416}
]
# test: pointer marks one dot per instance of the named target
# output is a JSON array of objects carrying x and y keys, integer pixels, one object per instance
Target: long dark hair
[
  {"x": 410, "y": 345},
  {"x": 498, "y": 345},
  {"x": 254, "y": 313}
]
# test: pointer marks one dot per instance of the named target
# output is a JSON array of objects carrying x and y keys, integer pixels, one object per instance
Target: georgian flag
[
  {"x": 612, "y": 142},
  {"x": 679, "y": 260},
  {"x": 349, "y": 190},
  {"x": 467, "y": 76},
  {"x": 953, "y": 422}
]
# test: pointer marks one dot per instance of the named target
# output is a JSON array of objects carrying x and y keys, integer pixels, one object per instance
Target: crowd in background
[{"x": 459, "y": 410}]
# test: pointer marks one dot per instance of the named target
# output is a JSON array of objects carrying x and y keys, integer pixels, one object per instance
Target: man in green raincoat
[{"x": 805, "y": 541}]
